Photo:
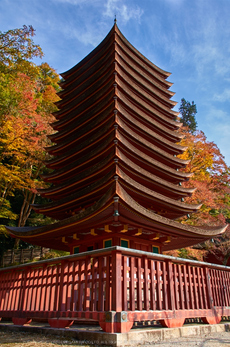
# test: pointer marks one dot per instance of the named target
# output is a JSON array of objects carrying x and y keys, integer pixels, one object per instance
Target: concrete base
[{"x": 93, "y": 335}]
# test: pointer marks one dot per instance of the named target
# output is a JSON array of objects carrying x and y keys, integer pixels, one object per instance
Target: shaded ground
[{"x": 22, "y": 339}]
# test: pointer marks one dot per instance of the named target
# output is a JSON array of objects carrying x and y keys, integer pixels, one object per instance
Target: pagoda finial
[{"x": 115, "y": 19}]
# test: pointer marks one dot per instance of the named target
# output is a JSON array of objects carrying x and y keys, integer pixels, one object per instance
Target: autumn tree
[
  {"x": 211, "y": 178},
  {"x": 17, "y": 47},
  {"x": 27, "y": 96}
]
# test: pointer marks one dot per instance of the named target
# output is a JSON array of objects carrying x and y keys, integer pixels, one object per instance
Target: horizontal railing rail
[{"x": 115, "y": 286}]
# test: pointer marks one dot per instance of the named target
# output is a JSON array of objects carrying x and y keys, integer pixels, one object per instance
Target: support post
[
  {"x": 116, "y": 321},
  {"x": 116, "y": 280}
]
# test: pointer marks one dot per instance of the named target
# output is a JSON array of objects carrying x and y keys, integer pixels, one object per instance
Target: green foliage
[
  {"x": 188, "y": 113},
  {"x": 54, "y": 254}
]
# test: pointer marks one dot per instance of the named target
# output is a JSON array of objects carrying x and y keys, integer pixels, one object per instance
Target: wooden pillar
[
  {"x": 213, "y": 317},
  {"x": 116, "y": 281},
  {"x": 116, "y": 321}
]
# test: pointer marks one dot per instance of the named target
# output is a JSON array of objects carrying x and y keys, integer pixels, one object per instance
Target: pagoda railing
[{"x": 115, "y": 286}]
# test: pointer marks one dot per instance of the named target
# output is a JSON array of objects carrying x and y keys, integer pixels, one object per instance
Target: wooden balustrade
[{"x": 115, "y": 286}]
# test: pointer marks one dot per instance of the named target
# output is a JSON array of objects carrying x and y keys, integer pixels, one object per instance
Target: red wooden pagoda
[
  {"x": 116, "y": 178},
  {"x": 116, "y": 191}
]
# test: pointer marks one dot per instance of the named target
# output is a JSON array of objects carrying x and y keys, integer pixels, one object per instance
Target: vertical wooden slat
[
  {"x": 69, "y": 284},
  {"x": 222, "y": 288},
  {"x": 8, "y": 297},
  {"x": 152, "y": 285},
  {"x": 51, "y": 304},
  {"x": 200, "y": 285},
  {"x": 196, "y": 294},
  {"x": 132, "y": 285},
  {"x": 100, "y": 281},
  {"x": 124, "y": 287},
  {"x": 74, "y": 285},
  {"x": 14, "y": 290},
  {"x": 165, "y": 286},
  {"x": 22, "y": 291},
  {"x": 213, "y": 277},
  {"x": 5, "y": 289},
  {"x": 48, "y": 288},
  {"x": 87, "y": 284},
  {"x": 204, "y": 289},
  {"x": 146, "y": 284},
  {"x": 57, "y": 287},
  {"x": 43, "y": 287},
  {"x": 171, "y": 285},
  {"x": 226, "y": 288},
  {"x": 93, "y": 304},
  {"x": 209, "y": 289},
  {"x": 61, "y": 286},
  {"x": 181, "y": 287},
  {"x": 186, "y": 290},
  {"x": 80, "y": 285},
  {"x": 139, "y": 285},
  {"x": 176, "y": 285},
  {"x": 2, "y": 286},
  {"x": 191, "y": 281},
  {"x": 107, "y": 285},
  {"x": 159, "y": 301}
]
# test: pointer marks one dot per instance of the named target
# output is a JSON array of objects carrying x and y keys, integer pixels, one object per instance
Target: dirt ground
[{"x": 22, "y": 339}]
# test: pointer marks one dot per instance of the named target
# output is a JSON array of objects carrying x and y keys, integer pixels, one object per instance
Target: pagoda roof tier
[
  {"x": 115, "y": 36},
  {"x": 85, "y": 153},
  {"x": 109, "y": 214},
  {"x": 150, "y": 128},
  {"x": 135, "y": 137},
  {"x": 112, "y": 62},
  {"x": 134, "y": 91},
  {"x": 163, "y": 152},
  {"x": 142, "y": 100},
  {"x": 146, "y": 197},
  {"x": 150, "y": 133},
  {"x": 123, "y": 79},
  {"x": 70, "y": 180}
]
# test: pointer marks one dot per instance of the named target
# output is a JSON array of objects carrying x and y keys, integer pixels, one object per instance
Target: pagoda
[{"x": 116, "y": 179}]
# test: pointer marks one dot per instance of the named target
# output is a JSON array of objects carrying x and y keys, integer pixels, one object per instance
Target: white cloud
[
  {"x": 218, "y": 129},
  {"x": 175, "y": 2},
  {"x": 73, "y": 2},
  {"x": 122, "y": 11},
  {"x": 225, "y": 96}
]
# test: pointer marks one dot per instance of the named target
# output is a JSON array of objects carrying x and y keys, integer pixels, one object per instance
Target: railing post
[
  {"x": 214, "y": 317},
  {"x": 171, "y": 286},
  {"x": 116, "y": 281},
  {"x": 116, "y": 321},
  {"x": 209, "y": 289}
]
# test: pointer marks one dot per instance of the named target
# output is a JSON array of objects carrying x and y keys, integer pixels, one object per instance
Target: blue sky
[{"x": 189, "y": 38}]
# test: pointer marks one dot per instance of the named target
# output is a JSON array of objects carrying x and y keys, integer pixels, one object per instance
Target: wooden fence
[
  {"x": 13, "y": 256},
  {"x": 115, "y": 286}
]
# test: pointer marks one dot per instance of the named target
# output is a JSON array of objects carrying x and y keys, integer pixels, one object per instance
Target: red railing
[{"x": 115, "y": 286}]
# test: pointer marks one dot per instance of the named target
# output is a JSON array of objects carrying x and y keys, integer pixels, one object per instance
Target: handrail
[{"x": 127, "y": 251}]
